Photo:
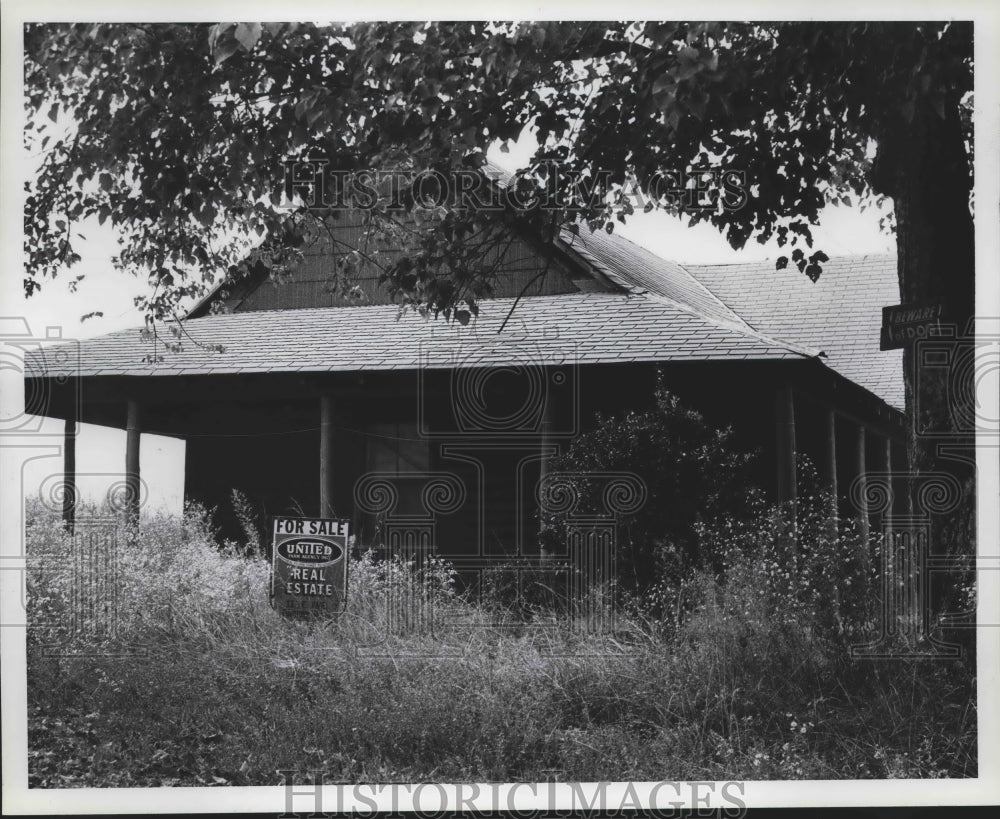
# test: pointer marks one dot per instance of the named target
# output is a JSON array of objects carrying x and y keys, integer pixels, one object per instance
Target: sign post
[{"x": 309, "y": 567}]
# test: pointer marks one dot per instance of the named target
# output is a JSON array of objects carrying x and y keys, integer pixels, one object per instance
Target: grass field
[{"x": 210, "y": 686}]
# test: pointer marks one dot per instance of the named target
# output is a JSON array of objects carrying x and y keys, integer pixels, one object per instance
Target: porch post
[
  {"x": 133, "y": 434},
  {"x": 544, "y": 467},
  {"x": 69, "y": 473},
  {"x": 893, "y": 486},
  {"x": 784, "y": 421},
  {"x": 326, "y": 431},
  {"x": 831, "y": 464},
  {"x": 860, "y": 468},
  {"x": 907, "y": 478}
]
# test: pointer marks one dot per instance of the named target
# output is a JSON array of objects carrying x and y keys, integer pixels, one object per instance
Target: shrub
[
  {"x": 801, "y": 565},
  {"x": 114, "y": 582},
  {"x": 252, "y": 522},
  {"x": 692, "y": 474}
]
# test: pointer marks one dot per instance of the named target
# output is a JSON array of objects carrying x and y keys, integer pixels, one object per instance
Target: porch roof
[{"x": 583, "y": 328}]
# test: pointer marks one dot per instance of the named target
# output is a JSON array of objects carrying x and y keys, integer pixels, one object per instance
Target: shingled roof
[
  {"x": 841, "y": 313},
  {"x": 641, "y": 271},
  {"x": 645, "y": 308},
  {"x": 585, "y": 328}
]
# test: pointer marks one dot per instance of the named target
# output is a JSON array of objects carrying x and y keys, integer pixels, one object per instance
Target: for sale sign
[{"x": 309, "y": 566}]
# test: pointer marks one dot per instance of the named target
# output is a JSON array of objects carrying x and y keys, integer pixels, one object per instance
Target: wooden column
[
  {"x": 326, "y": 432},
  {"x": 860, "y": 468},
  {"x": 69, "y": 474},
  {"x": 133, "y": 436},
  {"x": 784, "y": 425},
  {"x": 545, "y": 466},
  {"x": 831, "y": 464},
  {"x": 905, "y": 480},
  {"x": 893, "y": 484},
  {"x": 888, "y": 468}
]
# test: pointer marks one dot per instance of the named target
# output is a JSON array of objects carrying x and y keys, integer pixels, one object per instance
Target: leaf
[
  {"x": 352, "y": 262},
  {"x": 687, "y": 53},
  {"x": 215, "y": 32},
  {"x": 224, "y": 46},
  {"x": 248, "y": 34},
  {"x": 663, "y": 83},
  {"x": 781, "y": 263},
  {"x": 749, "y": 99}
]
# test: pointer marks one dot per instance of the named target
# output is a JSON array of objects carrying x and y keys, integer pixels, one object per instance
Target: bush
[
  {"x": 801, "y": 565},
  {"x": 116, "y": 583},
  {"x": 692, "y": 474}
]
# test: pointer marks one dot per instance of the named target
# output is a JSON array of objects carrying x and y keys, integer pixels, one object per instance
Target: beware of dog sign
[
  {"x": 905, "y": 324},
  {"x": 309, "y": 566}
]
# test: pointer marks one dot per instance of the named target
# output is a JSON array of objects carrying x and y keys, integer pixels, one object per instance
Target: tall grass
[{"x": 200, "y": 682}]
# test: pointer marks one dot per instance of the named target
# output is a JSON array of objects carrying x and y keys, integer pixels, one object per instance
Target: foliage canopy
[{"x": 179, "y": 132}]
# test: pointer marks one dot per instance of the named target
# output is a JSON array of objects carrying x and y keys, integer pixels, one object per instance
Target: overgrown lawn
[{"x": 210, "y": 686}]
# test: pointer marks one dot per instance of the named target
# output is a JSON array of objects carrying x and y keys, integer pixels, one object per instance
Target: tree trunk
[{"x": 923, "y": 166}]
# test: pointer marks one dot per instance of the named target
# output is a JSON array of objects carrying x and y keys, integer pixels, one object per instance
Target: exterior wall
[
  {"x": 311, "y": 284},
  {"x": 260, "y": 433},
  {"x": 406, "y": 427}
]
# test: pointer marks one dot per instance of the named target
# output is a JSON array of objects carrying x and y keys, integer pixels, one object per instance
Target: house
[{"x": 295, "y": 394}]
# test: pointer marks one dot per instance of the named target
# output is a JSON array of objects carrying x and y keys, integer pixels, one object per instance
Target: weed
[{"x": 746, "y": 677}]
